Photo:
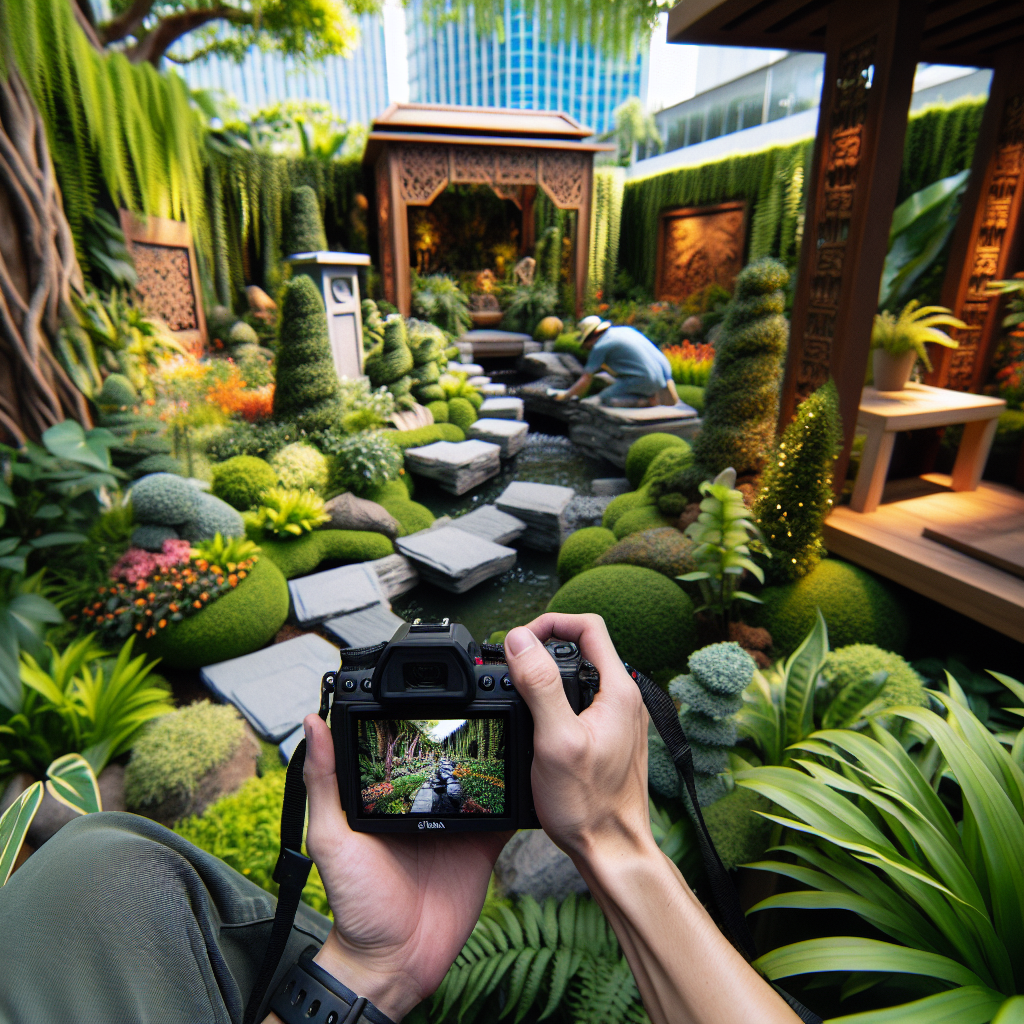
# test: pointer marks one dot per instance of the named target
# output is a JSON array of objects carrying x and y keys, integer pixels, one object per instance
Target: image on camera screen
[{"x": 451, "y": 767}]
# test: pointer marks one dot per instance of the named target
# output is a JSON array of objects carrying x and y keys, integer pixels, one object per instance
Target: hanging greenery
[{"x": 605, "y": 224}]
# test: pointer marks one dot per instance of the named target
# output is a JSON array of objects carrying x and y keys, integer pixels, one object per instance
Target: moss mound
[
  {"x": 642, "y": 452},
  {"x": 636, "y": 520},
  {"x": 426, "y": 435},
  {"x": 305, "y": 225},
  {"x": 581, "y": 549},
  {"x": 212, "y": 516},
  {"x": 649, "y": 617},
  {"x": 859, "y": 661},
  {"x": 392, "y": 490},
  {"x": 163, "y": 499},
  {"x": 439, "y": 410},
  {"x": 741, "y": 835},
  {"x": 858, "y": 609},
  {"x": 664, "y": 550},
  {"x": 241, "y": 621},
  {"x": 241, "y": 480},
  {"x": 692, "y": 395},
  {"x": 303, "y": 555},
  {"x": 462, "y": 413},
  {"x": 411, "y": 515},
  {"x": 622, "y": 504}
]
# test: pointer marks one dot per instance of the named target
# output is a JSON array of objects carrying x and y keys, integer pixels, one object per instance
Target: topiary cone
[
  {"x": 305, "y": 231},
  {"x": 307, "y": 383},
  {"x": 394, "y": 360}
]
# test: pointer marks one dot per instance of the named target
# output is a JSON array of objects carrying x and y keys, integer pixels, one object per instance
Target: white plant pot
[{"x": 892, "y": 372}]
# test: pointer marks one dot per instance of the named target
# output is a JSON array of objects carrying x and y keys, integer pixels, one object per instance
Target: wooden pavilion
[
  {"x": 416, "y": 150},
  {"x": 871, "y": 49}
]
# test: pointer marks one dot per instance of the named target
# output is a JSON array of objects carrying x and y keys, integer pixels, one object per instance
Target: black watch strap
[{"x": 309, "y": 995}]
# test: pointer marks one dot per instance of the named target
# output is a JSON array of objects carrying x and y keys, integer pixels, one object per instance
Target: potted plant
[{"x": 898, "y": 342}]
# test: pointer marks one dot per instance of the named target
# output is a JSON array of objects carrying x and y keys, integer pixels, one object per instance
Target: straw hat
[{"x": 592, "y": 325}]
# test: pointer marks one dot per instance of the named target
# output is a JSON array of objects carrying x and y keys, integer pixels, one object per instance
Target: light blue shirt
[{"x": 628, "y": 353}]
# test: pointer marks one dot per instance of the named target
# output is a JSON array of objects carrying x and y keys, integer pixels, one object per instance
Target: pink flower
[{"x": 136, "y": 564}]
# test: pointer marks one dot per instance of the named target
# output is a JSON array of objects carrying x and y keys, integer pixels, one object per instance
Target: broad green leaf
[
  {"x": 57, "y": 538},
  {"x": 801, "y": 673},
  {"x": 67, "y": 440},
  {"x": 971, "y": 1004},
  {"x": 852, "y": 699},
  {"x": 71, "y": 782},
  {"x": 1011, "y": 1012},
  {"x": 14, "y": 825},
  {"x": 1012, "y": 684}
]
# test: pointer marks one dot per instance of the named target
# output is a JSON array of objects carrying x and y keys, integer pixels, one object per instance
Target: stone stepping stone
[
  {"x": 325, "y": 595},
  {"x": 493, "y": 390},
  {"x": 457, "y": 466},
  {"x": 275, "y": 688},
  {"x": 365, "y": 627},
  {"x": 396, "y": 573},
  {"x": 423, "y": 803},
  {"x": 543, "y": 507},
  {"x": 454, "y": 559},
  {"x": 611, "y": 486},
  {"x": 478, "y": 382},
  {"x": 607, "y": 433},
  {"x": 490, "y": 523},
  {"x": 509, "y": 435},
  {"x": 473, "y": 369},
  {"x": 502, "y": 409}
]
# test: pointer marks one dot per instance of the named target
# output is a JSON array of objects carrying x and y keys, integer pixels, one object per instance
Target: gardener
[
  {"x": 117, "y": 919},
  {"x": 643, "y": 375}
]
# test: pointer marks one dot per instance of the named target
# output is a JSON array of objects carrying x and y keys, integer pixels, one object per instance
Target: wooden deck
[{"x": 890, "y": 542}]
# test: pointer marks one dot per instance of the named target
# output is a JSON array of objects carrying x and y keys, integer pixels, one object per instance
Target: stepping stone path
[
  {"x": 454, "y": 559},
  {"x": 502, "y": 409},
  {"x": 552, "y": 364},
  {"x": 457, "y": 466},
  {"x": 326, "y": 595},
  {"x": 509, "y": 435},
  {"x": 607, "y": 433},
  {"x": 610, "y": 485},
  {"x": 441, "y": 793},
  {"x": 275, "y": 688},
  {"x": 490, "y": 523},
  {"x": 478, "y": 382},
  {"x": 473, "y": 369},
  {"x": 543, "y": 508},
  {"x": 493, "y": 390},
  {"x": 396, "y": 573},
  {"x": 365, "y": 627}
]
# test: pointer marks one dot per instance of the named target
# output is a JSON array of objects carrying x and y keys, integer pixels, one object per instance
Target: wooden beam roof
[
  {"x": 441, "y": 119},
  {"x": 967, "y": 32}
]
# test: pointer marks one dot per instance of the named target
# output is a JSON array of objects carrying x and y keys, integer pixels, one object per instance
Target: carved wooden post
[
  {"x": 528, "y": 233},
  {"x": 988, "y": 234},
  {"x": 871, "y": 55}
]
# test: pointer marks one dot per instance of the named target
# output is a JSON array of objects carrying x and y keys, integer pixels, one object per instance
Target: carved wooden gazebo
[{"x": 416, "y": 150}]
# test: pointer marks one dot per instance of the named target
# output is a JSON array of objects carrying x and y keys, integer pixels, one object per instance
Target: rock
[
  {"x": 689, "y": 515},
  {"x": 454, "y": 559},
  {"x": 663, "y": 549},
  {"x": 610, "y": 485},
  {"x": 349, "y": 512},
  {"x": 478, "y": 382},
  {"x": 493, "y": 390},
  {"x": 532, "y": 865},
  {"x": 552, "y": 364},
  {"x": 457, "y": 466},
  {"x": 287, "y": 746},
  {"x": 586, "y": 510},
  {"x": 508, "y": 435},
  {"x": 490, "y": 523},
  {"x": 537, "y": 400},
  {"x": 473, "y": 369},
  {"x": 364, "y": 628},
  {"x": 607, "y": 433},
  {"x": 325, "y": 595},
  {"x": 396, "y": 573},
  {"x": 543, "y": 508},
  {"x": 275, "y": 688},
  {"x": 525, "y": 270},
  {"x": 502, "y": 409},
  {"x": 259, "y": 301}
]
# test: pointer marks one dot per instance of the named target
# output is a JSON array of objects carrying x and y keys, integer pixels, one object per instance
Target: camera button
[
  {"x": 367, "y": 685},
  {"x": 487, "y": 682},
  {"x": 348, "y": 685},
  {"x": 506, "y": 683},
  {"x": 565, "y": 650}
]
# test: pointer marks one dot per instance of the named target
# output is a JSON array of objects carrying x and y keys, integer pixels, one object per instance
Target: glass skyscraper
[{"x": 449, "y": 63}]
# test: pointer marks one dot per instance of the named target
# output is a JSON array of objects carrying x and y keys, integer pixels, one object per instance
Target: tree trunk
[{"x": 38, "y": 268}]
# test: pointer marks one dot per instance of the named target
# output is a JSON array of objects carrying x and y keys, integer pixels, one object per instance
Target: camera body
[{"x": 430, "y": 734}]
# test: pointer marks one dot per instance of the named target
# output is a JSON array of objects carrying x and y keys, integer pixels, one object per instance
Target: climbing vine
[{"x": 605, "y": 225}]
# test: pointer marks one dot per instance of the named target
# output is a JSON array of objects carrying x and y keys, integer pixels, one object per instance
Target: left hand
[{"x": 403, "y": 905}]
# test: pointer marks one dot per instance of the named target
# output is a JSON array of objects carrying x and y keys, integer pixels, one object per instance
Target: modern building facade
[{"x": 450, "y": 63}]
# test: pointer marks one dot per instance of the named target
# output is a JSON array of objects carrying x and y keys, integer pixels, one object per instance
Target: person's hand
[
  {"x": 403, "y": 905},
  {"x": 589, "y": 771}
]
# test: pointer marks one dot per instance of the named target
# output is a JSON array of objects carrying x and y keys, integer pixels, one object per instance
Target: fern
[{"x": 559, "y": 961}]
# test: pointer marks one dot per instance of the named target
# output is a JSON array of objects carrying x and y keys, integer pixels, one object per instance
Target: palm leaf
[
  {"x": 971, "y": 1004},
  {"x": 14, "y": 825},
  {"x": 801, "y": 674},
  {"x": 71, "y": 782}
]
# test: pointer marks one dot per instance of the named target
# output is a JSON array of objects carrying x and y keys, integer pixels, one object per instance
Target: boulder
[
  {"x": 532, "y": 865},
  {"x": 349, "y": 512},
  {"x": 259, "y": 301}
]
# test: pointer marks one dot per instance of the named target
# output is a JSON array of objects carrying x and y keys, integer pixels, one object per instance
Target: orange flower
[
  {"x": 139, "y": 601},
  {"x": 173, "y": 607},
  {"x": 197, "y": 604},
  {"x": 233, "y": 580},
  {"x": 161, "y": 623},
  {"x": 202, "y": 564}
]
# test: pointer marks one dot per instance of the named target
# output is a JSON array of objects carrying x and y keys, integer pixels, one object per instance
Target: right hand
[{"x": 589, "y": 770}]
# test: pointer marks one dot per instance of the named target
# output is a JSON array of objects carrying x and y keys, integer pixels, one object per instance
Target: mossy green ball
[
  {"x": 305, "y": 554},
  {"x": 239, "y": 622},
  {"x": 642, "y": 452},
  {"x": 581, "y": 549},
  {"x": 741, "y": 835},
  {"x": 857, "y": 606},
  {"x": 692, "y": 395},
  {"x": 650, "y": 619},
  {"x": 241, "y": 480},
  {"x": 461, "y": 413},
  {"x": 646, "y": 517},
  {"x": 439, "y": 410},
  {"x": 622, "y": 504},
  {"x": 411, "y": 515},
  {"x": 859, "y": 661}
]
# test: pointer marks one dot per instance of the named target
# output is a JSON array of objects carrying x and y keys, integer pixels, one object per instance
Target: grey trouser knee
[{"x": 118, "y": 919}]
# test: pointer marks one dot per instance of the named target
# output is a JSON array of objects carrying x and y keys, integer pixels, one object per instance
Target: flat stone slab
[
  {"x": 325, "y": 595},
  {"x": 502, "y": 409},
  {"x": 551, "y": 364},
  {"x": 479, "y": 381},
  {"x": 473, "y": 369},
  {"x": 397, "y": 575},
  {"x": 454, "y": 559},
  {"x": 364, "y": 628},
  {"x": 543, "y": 507},
  {"x": 493, "y": 390},
  {"x": 457, "y": 466},
  {"x": 610, "y": 485},
  {"x": 490, "y": 523},
  {"x": 509, "y": 435},
  {"x": 275, "y": 688},
  {"x": 605, "y": 432}
]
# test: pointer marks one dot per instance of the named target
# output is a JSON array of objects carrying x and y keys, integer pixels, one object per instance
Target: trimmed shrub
[
  {"x": 741, "y": 835},
  {"x": 858, "y": 609},
  {"x": 692, "y": 395},
  {"x": 796, "y": 488},
  {"x": 581, "y": 549},
  {"x": 300, "y": 465},
  {"x": 237, "y": 623},
  {"x": 427, "y": 435},
  {"x": 307, "y": 384},
  {"x": 462, "y": 413},
  {"x": 649, "y": 617},
  {"x": 623, "y": 503},
  {"x": 411, "y": 515},
  {"x": 666, "y": 479},
  {"x": 117, "y": 392},
  {"x": 394, "y": 490},
  {"x": 859, "y": 661},
  {"x": 475, "y": 399},
  {"x": 305, "y": 225},
  {"x": 364, "y": 461},
  {"x": 175, "y": 751},
  {"x": 164, "y": 499},
  {"x": 303, "y": 555},
  {"x": 636, "y": 520},
  {"x": 430, "y": 393},
  {"x": 665, "y": 550},
  {"x": 157, "y": 464},
  {"x": 643, "y": 451},
  {"x": 243, "y": 334},
  {"x": 439, "y": 410},
  {"x": 151, "y": 538},
  {"x": 497, "y": 637},
  {"x": 212, "y": 516},
  {"x": 240, "y": 481},
  {"x": 394, "y": 359}
]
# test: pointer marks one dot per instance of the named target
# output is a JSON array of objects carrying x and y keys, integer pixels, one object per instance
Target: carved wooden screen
[{"x": 698, "y": 246}]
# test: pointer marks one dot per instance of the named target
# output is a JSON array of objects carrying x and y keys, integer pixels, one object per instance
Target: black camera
[{"x": 429, "y": 732}]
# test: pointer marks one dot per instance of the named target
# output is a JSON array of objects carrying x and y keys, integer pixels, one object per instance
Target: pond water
[{"x": 523, "y": 592}]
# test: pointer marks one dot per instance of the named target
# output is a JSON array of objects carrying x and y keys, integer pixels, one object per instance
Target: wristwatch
[{"x": 309, "y": 995}]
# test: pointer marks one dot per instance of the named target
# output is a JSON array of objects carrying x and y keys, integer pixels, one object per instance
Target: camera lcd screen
[{"x": 450, "y": 768}]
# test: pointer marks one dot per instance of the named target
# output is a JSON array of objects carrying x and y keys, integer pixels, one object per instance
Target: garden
[{"x": 184, "y": 515}]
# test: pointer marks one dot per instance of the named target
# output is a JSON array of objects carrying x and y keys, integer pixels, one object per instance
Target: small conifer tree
[
  {"x": 305, "y": 225},
  {"x": 307, "y": 383},
  {"x": 796, "y": 488}
]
